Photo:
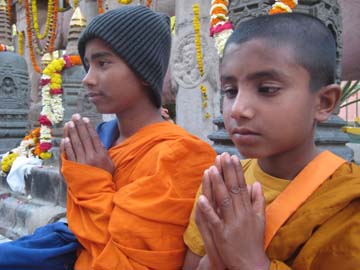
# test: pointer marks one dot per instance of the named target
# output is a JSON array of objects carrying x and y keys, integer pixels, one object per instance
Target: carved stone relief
[{"x": 185, "y": 67}]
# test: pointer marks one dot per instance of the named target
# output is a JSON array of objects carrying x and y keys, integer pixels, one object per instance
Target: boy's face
[
  {"x": 112, "y": 86},
  {"x": 268, "y": 108}
]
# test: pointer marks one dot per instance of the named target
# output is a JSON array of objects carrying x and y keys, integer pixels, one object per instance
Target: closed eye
[{"x": 268, "y": 89}]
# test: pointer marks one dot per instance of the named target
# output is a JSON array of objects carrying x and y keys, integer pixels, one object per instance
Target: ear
[
  {"x": 327, "y": 100},
  {"x": 144, "y": 83}
]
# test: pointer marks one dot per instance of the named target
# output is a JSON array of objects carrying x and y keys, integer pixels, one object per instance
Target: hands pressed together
[
  {"x": 231, "y": 218},
  {"x": 82, "y": 144}
]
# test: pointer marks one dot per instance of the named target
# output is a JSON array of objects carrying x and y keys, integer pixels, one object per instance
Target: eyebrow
[
  {"x": 278, "y": 75},
  {"x": 98, "y": 55}
]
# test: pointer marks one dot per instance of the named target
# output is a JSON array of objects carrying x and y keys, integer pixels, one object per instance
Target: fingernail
[
  {"x": 67, "y": 140},
  {"x": 202, "y": 199},
  {"x": 71, "y": 124},
  {"x": 235, "y": 158},
  {"x": 76, "y": 116},
  {"x": 86, "y": 120}
]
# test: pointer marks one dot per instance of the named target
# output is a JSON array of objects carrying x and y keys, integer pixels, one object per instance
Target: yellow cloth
[
  {"x": 322, "y": 234},
  {"x": 135, "y": 219},
  {"x": 272, "y": 187}
]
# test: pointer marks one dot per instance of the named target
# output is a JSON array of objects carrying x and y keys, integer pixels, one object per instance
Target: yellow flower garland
[
  {"x": 124, "y": 2},
  {"x": 35, "y": 22},
  {"x": 196, "y": 24},
  {"x": 21, "y": 43},
  {"x": 7, "y": 161}
]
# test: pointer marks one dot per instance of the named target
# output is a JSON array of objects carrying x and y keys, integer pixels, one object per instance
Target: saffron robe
[
  {"x": 135, "y": 218},
  {"x": 323, "y": 233}
]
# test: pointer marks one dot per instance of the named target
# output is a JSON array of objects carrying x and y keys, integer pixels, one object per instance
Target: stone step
[{"x": 43, "y": 203}]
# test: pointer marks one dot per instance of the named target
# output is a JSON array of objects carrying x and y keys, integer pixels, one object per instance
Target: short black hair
[{"x": 313, "y": 43}]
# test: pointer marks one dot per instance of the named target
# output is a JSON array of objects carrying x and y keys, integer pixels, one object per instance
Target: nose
[
  {"x": 243, "y": 106},
  {"x": 89, "y": 79}
]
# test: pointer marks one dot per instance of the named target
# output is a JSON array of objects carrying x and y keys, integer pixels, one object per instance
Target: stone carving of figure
[
  {"x": 186, "y": 67},
  {"x": 8, "y": 88}
]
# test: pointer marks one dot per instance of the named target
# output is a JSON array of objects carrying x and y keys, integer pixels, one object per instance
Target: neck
[
  {"x": 130, "y": 121},
  {"x": 287, "y": 165}
]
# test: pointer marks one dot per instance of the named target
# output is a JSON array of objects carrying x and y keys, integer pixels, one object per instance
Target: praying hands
[
  {"x": 81, "y": 144},
  {"x": 231, "y": 218}
]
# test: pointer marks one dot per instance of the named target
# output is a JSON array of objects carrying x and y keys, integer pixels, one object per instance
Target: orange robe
[
  {"x": 135, "y": 218},
  {"x": 323, "y": 233}
]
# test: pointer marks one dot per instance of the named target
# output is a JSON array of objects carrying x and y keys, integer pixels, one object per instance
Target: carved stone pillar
[{"x": 185, "y": 73}]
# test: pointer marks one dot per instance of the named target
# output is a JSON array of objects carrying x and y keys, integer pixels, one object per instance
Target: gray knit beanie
[{"x": 140, "y": 36}]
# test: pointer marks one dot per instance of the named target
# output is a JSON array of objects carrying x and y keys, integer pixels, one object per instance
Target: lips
[
  {"x": 93, "y": 96},
  {"x": 244, "y": 136},
  {"x": 244, "y": 131}
]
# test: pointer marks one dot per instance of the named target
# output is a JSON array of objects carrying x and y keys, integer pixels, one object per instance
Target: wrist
[{"x": 261, "y": 264}]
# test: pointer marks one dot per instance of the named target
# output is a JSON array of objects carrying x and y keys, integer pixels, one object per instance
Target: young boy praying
[
  {"x": 288, "y": 205},
  {"x": 130, "y": 189}
]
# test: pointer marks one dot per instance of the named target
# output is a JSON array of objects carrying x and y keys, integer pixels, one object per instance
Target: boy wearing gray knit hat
[
  {"x": 140, "y": 37},
  {"x": 132, "y": 181}
]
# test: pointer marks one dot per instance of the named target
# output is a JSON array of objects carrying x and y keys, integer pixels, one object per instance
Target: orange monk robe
[
  {"x": 323, "y": 234},
  {"x": 135, "y": 219}
]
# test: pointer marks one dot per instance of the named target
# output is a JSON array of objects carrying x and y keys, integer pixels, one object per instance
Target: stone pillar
[{"x": 185, "y": 73}]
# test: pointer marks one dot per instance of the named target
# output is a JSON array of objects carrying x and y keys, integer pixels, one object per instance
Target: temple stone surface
[
  {"x": 14, "y": 97},
  {"x": 14, "y": 90},
  {"x": 185, "y": 73}
]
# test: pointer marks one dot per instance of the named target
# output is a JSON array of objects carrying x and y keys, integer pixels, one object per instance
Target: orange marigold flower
[{"x": 290, "y": 3}]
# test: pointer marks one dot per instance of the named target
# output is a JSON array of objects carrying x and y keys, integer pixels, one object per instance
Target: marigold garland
[
  {"x": 52, "y": 110},
  {"x": 196, "y": 24},
  {"x": 4, "y": 48},
  {"x": 7, "y": 161},
  {"x": 76, "y": 4},
  {"x": 283, "y": 6},
  {"x": 28, "y": 147},
  {"x": 29, "y": 37},
  {"x": 21, "y": 43},
  {"x": 53, "y": 32},
  {"x": 35, "y": 19},
  {"x": 100, "y": 7},
  {"x": 220, "y": 26},
  {"x": 49, "y": 46},
  {"x": 148, "y": 3},
  {"x": 124, "y": 2},
  {"x": 9, "y": 10},
  {"x": 38, "y": 142}
]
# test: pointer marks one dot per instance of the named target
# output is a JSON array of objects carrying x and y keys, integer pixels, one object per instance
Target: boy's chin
[{"x": 250, "y": 153}]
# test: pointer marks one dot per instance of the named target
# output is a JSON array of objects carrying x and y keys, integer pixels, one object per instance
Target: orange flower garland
[
  {"x": 148, "y": 3},
  {"x": 29, "y": 37},
  {"x": 9, "y": 10},
  {"x": 220, "y": 26},
  {"x": 4, "y": 48},
  {"x": 100, "y": 7},
  {"x": 28, "y": 147},
  {"x": 283, "y": 6}
]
